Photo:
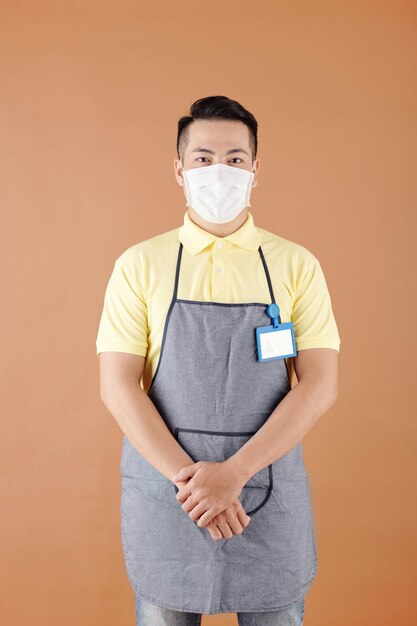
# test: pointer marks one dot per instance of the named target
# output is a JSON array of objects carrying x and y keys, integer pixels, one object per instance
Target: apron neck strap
[
  {"x": 261, "y": 254},
  {"x": 268, "y": 278}
]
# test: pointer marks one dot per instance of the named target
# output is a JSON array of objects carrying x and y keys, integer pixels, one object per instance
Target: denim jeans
[{"x": 148, "y": 614}]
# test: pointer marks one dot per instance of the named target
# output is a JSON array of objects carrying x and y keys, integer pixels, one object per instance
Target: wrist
[{"x": 237, "y": 468}]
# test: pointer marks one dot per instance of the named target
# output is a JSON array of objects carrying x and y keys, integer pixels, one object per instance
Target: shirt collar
[{"x": 194, "y": 238}]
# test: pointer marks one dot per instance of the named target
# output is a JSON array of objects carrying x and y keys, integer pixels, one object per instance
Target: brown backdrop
[{"x": 91, "y": 94}]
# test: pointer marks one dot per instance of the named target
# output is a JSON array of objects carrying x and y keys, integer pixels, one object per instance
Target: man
[{"x": 202, "y": 331}]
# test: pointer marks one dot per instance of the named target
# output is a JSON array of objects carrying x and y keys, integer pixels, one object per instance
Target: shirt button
[
  {"x": 218, "y": 269},
  {"x": 219, "y": 244}
]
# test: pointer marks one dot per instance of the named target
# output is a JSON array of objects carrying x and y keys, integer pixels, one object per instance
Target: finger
[
  {"x": 207, "y": 517},
  {"x": 196, "y": 512},
  {"x": 242, "y": 515},
  {"x": 189, "y": 504},
  {"x": 214, "y": 531},
  {"x": 224, "y": 527},
  {"x": 182, "y": 474},
  {"x": 186, "y": 471},
  {"x": 183, "y": 493},
  {"x": 239, "y": 507},
  {"x": 233, "y": 521}
]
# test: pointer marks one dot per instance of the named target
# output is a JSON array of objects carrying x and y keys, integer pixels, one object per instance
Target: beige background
[{"x": 91, "y": 95}]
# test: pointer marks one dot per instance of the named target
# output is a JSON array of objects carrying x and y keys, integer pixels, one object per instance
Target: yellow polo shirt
[{"x": 213, "y": 269}]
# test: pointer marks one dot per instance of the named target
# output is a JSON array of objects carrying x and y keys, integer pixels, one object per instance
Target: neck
[{"x": 220, "y": 230}]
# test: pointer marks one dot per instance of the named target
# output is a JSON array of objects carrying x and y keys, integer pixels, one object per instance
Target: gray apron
[{"x": 214, "y": 395}]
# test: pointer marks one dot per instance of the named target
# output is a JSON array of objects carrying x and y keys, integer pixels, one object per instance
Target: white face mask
[{"x": 218, "y": 193}]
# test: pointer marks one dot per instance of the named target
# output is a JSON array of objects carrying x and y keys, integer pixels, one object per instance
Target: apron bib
[{"x": 214, "y": 395}]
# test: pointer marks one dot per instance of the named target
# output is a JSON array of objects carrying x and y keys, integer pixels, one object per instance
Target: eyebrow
[{"x": 231, "y": 151}]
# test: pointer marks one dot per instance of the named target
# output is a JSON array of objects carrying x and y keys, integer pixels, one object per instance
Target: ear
[
  {"x": 178, "y": 172},
  {"x": 256, "y": 171}
]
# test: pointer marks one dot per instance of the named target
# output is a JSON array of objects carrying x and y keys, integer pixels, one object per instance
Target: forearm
[
  {"x": 142, "y": 424},
  {"x": 286, "y": 426}
]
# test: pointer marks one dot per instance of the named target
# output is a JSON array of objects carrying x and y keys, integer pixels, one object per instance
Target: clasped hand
[{"x": 209, "y": 492}]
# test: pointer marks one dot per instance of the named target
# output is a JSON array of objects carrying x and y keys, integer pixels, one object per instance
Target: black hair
[{"x": 216, "y": 107}]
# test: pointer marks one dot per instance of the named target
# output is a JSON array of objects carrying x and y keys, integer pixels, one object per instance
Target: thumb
[{"x": 186, "y": 472}]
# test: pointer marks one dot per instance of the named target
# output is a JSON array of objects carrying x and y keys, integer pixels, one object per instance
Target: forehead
[{"x": 218, "y": 135}]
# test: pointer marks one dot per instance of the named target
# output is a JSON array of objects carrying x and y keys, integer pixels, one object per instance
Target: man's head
[
  {"x": 218, "y": 130},
  {"x": 216, "y": 108}
]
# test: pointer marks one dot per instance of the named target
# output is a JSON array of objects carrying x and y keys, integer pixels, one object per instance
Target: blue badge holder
[{"x": 277, "y": 345}]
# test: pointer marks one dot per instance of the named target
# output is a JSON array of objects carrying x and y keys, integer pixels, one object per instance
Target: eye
[
  {"x": 198, "y": 158},
  {"x": 234, "y": 159}
]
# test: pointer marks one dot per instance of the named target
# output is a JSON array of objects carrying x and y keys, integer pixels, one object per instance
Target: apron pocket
[{"x": 217, "y": 446}]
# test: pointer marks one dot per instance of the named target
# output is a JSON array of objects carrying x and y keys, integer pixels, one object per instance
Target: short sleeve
[
  {"x": 123, "y": 324},
  {"x": 312, "y": 314}
]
